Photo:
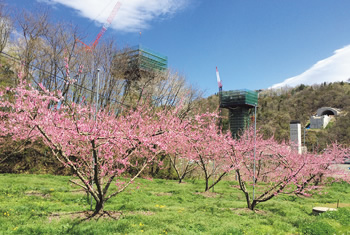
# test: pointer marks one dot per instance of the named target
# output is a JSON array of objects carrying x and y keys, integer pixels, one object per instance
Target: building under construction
[
  {"x": 138, "y": 66},
  {"x": 147, "y": 59},
  {"x": 240, "y": 104},
  {"x": 143, "y": 62}
]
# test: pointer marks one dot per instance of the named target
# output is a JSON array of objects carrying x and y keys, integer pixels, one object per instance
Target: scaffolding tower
[
  {"x": 136, "y": 66},
  {"x": 138, "y": 62},
  {"x": 240, "y": 104},
  {"x": 147, "y": 59}
]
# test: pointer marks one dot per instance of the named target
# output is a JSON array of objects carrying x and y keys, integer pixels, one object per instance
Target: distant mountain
[{"x": 335, "y": 68}]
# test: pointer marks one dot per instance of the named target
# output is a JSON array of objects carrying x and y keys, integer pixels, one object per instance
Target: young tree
[
  {"x": 278, "y": 168},
  {"x": 98, "y": 147},
  {"x": 179, "y": 154},
  {"x": 203, "y": 143},
  {"x": 182, "y": 165}
]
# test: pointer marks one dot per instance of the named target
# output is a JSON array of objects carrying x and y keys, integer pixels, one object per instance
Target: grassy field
[{"x": 46, "y": 204}]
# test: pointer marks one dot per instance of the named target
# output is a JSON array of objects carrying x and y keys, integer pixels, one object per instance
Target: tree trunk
[
  {"x": 246, "y": 194},
  {"x": 99, "y": 207},
  {"x": 252, "y": 206},
  {"x": 217, "y": 181},
  {"x": 206, "y": 184},
  {"x": 245, "y": 191}
]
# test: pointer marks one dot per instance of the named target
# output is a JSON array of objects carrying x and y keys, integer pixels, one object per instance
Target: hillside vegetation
[{"x": 276, "y": 108}]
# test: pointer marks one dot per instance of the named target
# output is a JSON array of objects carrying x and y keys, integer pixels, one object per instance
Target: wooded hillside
[
  {"x": 276, "y": 110},
  {"x": 278, "y": 107}
]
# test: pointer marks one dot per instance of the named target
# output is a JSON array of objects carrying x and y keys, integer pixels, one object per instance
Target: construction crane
[
  {"x": 218, "y": 79},
  {"x": 220, "y": 91},
  {"x": 110, "y": 18}
]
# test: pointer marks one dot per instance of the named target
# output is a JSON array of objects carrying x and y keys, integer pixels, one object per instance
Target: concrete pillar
[{"x": 295, "y": 135}]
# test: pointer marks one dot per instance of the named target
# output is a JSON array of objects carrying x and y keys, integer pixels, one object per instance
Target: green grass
[{"x": 38, "y": 204}]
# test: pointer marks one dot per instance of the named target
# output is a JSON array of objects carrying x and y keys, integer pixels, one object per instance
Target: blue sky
[{"x": 254, "y": 43}]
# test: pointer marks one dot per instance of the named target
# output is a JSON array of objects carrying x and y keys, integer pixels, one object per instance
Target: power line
[
  {"x": 49, "y": 73},
  {"x": 98, "y": 15},
  {"x": 52, "y": 76}
]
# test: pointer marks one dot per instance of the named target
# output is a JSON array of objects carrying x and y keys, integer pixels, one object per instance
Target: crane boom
[
  {"x": 106, "y": 25},
  {"x": 218, "y": 78},
  {"x": 97, "y": 39},
  {"x": 114, "y": 12},
  {"x": 104, "y": 28}
]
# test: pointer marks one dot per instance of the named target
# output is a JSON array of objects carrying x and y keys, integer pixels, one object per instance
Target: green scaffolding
[
  {"x": 235, "y": 98},
  {"x": 239, "y": 119},
  {"x": 240, "y": 104},
  {"x": 148, "y": 60}
]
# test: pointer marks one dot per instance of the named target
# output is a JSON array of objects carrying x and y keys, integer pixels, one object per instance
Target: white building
[
  {"x": 323, "y": 117},
  {"x": 319, "y": 122}
]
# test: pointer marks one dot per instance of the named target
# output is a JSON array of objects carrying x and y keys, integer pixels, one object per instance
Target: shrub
[
  {"x": 317, "y": 228},
  {"x": 342, "y": 215}
]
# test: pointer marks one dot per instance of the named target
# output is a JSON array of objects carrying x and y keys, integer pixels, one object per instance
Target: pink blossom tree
[
  {"x": 179, "y": 156},
  {"x": 203, "y": 144},
  {"x": 278, "y": 168},
  {"x": 100, "y": 147}
]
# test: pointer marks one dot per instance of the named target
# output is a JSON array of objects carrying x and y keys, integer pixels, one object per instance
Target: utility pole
[
  {"x": 96, "y": 110},
  {"x": 254, "y": 167},
  {"x": 220, "y": 91},
  {"x": 97, "y": 92},
  {"x": 220, "y": 121}
]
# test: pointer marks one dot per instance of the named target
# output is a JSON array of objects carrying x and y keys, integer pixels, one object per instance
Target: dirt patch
[
  {"x": 86, "y": 215},
  {"x": 78, "y": 191},
  {"x": 334, "y": 205},
  {"x": 245, "y": 211},
  {"x": 141, "y": 213},
  {"x": 89, "y": 215},
  {"x": 208, "y": 194},
  {"x": 37, "y": 194},
  {"x": 183, "y": 183},
  {"x": 235, "y": 186},
  {"x": 163, "y": 194}
]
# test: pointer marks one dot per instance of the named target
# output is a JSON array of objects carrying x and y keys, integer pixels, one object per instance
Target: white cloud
[
  {"x": 332, "y": 69},
  {"x": 133, "y": 15}
]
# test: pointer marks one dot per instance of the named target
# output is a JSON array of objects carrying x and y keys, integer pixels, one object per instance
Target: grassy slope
[{"x": 162, "y": 207}]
